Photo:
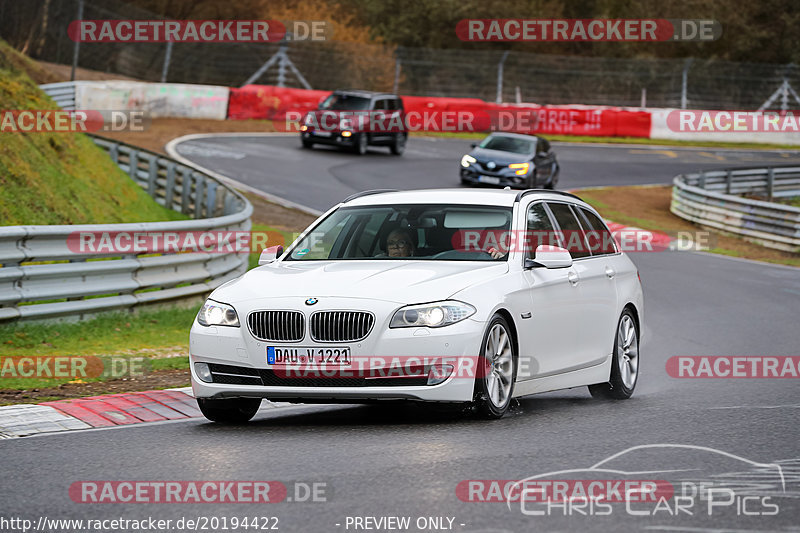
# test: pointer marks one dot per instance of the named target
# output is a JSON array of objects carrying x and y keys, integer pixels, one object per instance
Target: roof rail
[
  {"x": 367, "y": 193},
  {"x": 532, "y": 191}
]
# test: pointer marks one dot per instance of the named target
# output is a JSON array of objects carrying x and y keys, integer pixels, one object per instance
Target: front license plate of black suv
[{"x": 309, "y": 355}]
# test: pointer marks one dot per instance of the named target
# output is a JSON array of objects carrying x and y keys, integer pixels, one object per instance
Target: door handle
[
  {"x": 610, "y": 272},
  {"x": 573, "y": 278}
]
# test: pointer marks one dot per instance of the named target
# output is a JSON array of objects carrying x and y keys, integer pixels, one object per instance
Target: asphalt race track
[
  {"x": 323, "y": 176},
  {"x": 378, "y": 461}
]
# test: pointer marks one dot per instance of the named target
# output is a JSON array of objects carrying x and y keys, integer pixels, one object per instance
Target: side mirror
[
  {"x": 549, "y": 257},
  {"x": 268, "y": 255},
  {"x": 473, "y": 145}
]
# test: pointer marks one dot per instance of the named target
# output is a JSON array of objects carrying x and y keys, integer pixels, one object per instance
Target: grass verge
[
  {"x": 647, "y": 207},
  {"x": 128, "y": 345}
]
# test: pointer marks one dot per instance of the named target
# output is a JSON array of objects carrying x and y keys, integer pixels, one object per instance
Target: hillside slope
[{"x": 59, "y": 178}]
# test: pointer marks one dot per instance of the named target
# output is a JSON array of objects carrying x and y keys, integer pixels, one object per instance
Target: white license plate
[
  {"x": 489, "y": 179},
  {"x": 322, "y": 134},
  {"x": 319, "y": 356}
]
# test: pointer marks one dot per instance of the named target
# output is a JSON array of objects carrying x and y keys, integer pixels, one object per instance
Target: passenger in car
[{"x": 400, "y": 243}]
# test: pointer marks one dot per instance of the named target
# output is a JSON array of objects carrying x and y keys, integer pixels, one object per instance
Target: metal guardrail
[
  {"x": 62, "y": 93},
  {"x": 713, "y": 199},
  {"x": 41, "y": 277}
]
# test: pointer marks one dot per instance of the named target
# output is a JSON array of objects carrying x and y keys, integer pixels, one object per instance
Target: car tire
[
  {"x": 624, "y": 362},
  {"x": 307, "y": 144},
  {"x": 229, "y": 411},
  {"x": 497, "y": 370},
  {"x": 361, "y": 144},
  {"x": 398, "y": 145}
]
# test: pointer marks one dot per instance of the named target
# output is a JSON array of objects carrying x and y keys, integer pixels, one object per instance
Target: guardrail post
[
  {"x": 133, "y": 165},
  {"x": 170, "y": 189},
  {"x": 728, "y": 181},
  {"x": 152, "y": 175},
  {"x": 701, "y": 180},
  {"x": 113, "y": 152},
  {"x": 186, "y": 189},
  {"x": 211, "y": 198},
  {"x": 228, "y": 202},
  {"x": 770, "y": 183},
  {"x": 198, "y": 194}
]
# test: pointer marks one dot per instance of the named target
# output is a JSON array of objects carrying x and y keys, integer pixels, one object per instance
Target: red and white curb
[
  {"x": 101, "y": 411},
  {"x": 631, "y": 236}
]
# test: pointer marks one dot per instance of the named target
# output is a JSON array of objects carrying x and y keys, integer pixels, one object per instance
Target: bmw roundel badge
[{"x": 311, "y": 301}]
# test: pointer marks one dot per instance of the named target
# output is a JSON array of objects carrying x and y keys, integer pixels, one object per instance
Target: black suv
[{"x": 355, "y": 120}]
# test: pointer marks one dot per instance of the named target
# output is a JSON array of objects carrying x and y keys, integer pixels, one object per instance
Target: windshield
[
  {"x": 430, "y": 232},
  {"x": 508, "y": 144},
  {"x": 345, "y": 101}
]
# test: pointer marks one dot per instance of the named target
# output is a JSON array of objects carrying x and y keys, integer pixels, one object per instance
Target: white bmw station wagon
[{"x": 460, "y": 296}]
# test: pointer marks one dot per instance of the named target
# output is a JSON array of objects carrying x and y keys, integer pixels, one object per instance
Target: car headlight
[
  {"x": 467, "y": 160},
  {"x": 216, "y": 314},
  {"x": 521, "y": 168},
  {"x": 432, "y": 315}
]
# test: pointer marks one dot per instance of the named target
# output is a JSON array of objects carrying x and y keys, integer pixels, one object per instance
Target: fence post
[
  {"x": 701, "y": 180},
  {"x": 499, "y": 98},
  {"x": 685, "y": 83},
  {"x": 77, "y": 48},
  {"x": 770, "y": 183},
  {"x": 396, "y": 86},
  {"x": 728, "y": 181},
  {"x": 167, "y": 58}
]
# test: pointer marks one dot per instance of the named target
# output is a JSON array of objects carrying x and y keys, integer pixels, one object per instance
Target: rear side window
[
  {"x": 600, "y": 239},
  {"x": 574, "y": 239},
  {"x": 380, "y": 105},
  {"x": 540, "y": 230}
]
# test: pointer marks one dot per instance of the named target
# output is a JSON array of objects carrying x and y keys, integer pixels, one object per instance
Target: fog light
[
  {"x": 303, "y": 128},
  {"x": 204, "y": 373},
  {"x": 438, "y": 373},
  {"x": 347, "y": 133}
]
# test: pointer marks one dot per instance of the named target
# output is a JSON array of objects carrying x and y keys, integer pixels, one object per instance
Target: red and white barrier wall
[
  {"x": 285, "y": 105},
  {"x": 158, "y": 100}
]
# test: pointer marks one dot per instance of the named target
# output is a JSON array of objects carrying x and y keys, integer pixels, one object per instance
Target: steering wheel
[{"x": 478, "y": 255}]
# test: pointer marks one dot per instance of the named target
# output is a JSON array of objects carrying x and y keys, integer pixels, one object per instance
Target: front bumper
[
  {"x": 238, "y": 348},
  {"x": 333, "y": 138},
  {"x": 502, "y": 178}
]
